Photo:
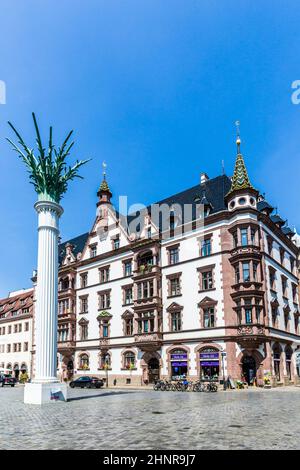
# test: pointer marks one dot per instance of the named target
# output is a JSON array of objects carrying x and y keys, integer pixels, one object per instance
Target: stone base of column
[{"x": 43, "y": 393}]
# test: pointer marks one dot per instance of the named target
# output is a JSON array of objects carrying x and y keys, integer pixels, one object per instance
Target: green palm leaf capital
[{"x": 48, "y": 170}]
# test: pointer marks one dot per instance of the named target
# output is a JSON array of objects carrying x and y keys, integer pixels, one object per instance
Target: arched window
[
  {"x": 179, "y": 363},
  {"x": 23, "y": 367},
  {"x": 276, "y": 361},
  {"x": 209, "y": 364},
  {"x": 105, "y": 360},
  {"x": 84, "y": 361},
  {"x": 9, "y": 367},
  {"x": 129, "y": 360},
  {"x": 288, "y": 361}
]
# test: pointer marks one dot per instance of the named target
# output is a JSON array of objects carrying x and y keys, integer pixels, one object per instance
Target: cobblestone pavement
[{"x": 135, "y": 419}]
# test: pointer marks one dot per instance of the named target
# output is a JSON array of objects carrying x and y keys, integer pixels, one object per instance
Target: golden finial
[
  {"x": 104, "y": 166},
  {"x": 238, "y": 137}
]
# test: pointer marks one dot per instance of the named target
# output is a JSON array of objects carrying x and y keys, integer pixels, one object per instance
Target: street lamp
[{"x": 223, "y": 354}]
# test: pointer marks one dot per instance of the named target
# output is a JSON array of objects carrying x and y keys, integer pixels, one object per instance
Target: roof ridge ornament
[
  {"x": 104, "y": 185},
  {"x": 240, "y": 179}
]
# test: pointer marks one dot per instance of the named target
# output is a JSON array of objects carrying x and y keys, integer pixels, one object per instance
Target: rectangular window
[
  {"x": 93, "y": 251},
  {"x": 246, "y": 272},
  {"x": 84, "y": 332},
  {"x": 128, "y": 295},
  {"x": 235, "y": 239},
  {"x": 25, "y": 347},
  {"x": 272, "y": 278},
  {"x": 176, "y": 321},
  {"x": 253, "y": 236},
  {"x": 105, "y": 330},
  {"x": 145, "y": 289},
  {"x": 83, "y": 280},
  {"x": 207, "y": 280},
  {"x": 237, "y": 273},
  {"x": 104, "y": 300},
  {"x": 248, "y": 315},
  {"x": 255, "y": 271},
  {"x": 284, "y": 283},
  {"x": 84, "y": 305},
  {"x": 244, "y": 236},
  {"x": 116, "y": 243},
  {"x": 209, "y": 317},
  {"x": 104, "y": 274},
  {"x": 274, "y": 316},
  {"x": 127, "y": 268},
  {"x": 174, "y": 255},
  {"x": 175, "y": 286},
  {"x": 129, "y": 327},
  {"x": 206, "y": 247}
]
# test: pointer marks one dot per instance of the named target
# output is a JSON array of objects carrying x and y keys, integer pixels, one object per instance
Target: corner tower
[{"x": 242, "y": 193}]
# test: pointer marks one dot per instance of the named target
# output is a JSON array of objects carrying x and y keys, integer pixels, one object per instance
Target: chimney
[{"x": 203, "y": 178}]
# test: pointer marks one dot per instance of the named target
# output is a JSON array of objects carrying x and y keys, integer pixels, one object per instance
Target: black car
[
  {"x": 87, "y": 382},
  {"x": 7, "y": 379}
]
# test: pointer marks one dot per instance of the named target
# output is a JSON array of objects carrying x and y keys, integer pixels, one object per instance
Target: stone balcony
[
  {"x": 254, "y": 334},
  {"x": 65, "y": 345},
  {"x": 147, "y": 271},
  {"x": 70, "y": 291},
  {"x": 148, "y": 340},
  {"x": 104, "y": 343},
  {"x": 245, "y": 251}
]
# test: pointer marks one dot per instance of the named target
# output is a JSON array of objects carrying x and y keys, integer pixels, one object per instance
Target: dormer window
[
  {"x": 93, "y": 250},
  {"x": 116, "y": 242}
]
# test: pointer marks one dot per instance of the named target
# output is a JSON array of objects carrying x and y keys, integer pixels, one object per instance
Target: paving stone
[{"x": 144, "y": 419}]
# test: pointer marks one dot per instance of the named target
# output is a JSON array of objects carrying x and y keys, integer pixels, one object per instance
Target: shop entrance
[
  {"x": 249, "y": 369},
  {"x": 153, "y": 370}
]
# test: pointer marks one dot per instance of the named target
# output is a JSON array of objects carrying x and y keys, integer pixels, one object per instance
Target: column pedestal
[{"x": 42, "y": 393}]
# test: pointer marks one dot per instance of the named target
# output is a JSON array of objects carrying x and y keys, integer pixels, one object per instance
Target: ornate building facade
[
  {"x": 208, "y": 300},
  {"x": 16, "y": 332},
  {"x": 208, "y": 295}
]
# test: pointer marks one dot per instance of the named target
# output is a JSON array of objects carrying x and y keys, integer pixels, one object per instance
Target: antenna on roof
[{"x": 223, "y": 168}]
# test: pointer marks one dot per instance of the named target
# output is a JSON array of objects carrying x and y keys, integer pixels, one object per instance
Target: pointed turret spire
[
  {"x": 104, "y": 193},
  {"x": 240, "y": 179}
]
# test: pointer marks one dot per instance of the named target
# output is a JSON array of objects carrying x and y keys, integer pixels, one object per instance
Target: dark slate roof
[
  {"x": 77, "y": 242},
  {"x": 264, "y": 205},
  {"x": 287, "y": 230},
  {"x": 215, "y": 191},
  {"x": 277, "y": 219}
]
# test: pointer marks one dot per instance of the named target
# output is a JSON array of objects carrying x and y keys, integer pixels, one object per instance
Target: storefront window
[
  {"x": 288, "y": 360},
  {"x": 178, "y": 364},
  {"x": 209, "y": 364},
  {"x": 277, "y": 365}
]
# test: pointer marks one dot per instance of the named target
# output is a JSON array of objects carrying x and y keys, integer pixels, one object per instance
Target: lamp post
[
  {"x": 223, "y": 354},
  {"x": 50, "y": 176}
]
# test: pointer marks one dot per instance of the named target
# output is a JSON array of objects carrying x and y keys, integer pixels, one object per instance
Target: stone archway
[
  {"x": 151, "y": 366},
  {"x": 251, "y": 363}
]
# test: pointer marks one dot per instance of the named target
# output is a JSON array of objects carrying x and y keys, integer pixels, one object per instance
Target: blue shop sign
[{"x": 178, "y": 357}]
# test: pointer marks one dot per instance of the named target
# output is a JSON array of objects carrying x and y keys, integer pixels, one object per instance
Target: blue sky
[{"x": 152, "y": 87}]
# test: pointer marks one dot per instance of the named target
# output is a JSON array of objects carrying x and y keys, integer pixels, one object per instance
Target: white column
[
  {"x": 45, "y": 383},
  {"x": 46, "y": 292}
]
